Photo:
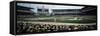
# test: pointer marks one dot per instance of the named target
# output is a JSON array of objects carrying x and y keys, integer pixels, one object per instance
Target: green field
[{"x": 64, "y": 19}]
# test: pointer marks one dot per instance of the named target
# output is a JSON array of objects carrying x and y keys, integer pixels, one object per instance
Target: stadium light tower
[{"x": 43, "y": 8}]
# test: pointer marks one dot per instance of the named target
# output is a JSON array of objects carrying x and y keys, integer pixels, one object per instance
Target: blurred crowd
[{"x": 33, "y": 27}]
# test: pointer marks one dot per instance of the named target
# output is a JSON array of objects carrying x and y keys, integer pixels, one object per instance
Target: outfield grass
[{"x": 64, "y": 19}]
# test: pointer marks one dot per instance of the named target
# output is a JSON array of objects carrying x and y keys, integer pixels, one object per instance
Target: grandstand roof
[
  {"x": 23, "y": 7},
  {"x": 49, "y": 6}
]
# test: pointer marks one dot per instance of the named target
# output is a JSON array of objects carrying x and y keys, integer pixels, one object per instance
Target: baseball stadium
[{"x": 39, "y": 18}]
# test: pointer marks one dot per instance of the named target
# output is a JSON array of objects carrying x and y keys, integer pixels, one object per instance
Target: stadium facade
[{"x": 51, "y": 10}]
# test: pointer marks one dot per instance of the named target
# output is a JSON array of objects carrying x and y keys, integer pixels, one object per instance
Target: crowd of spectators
[{"x": 33, "y": 27}]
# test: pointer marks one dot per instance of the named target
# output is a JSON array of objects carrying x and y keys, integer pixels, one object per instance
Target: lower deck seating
[{"x": 33, "y": 27}]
